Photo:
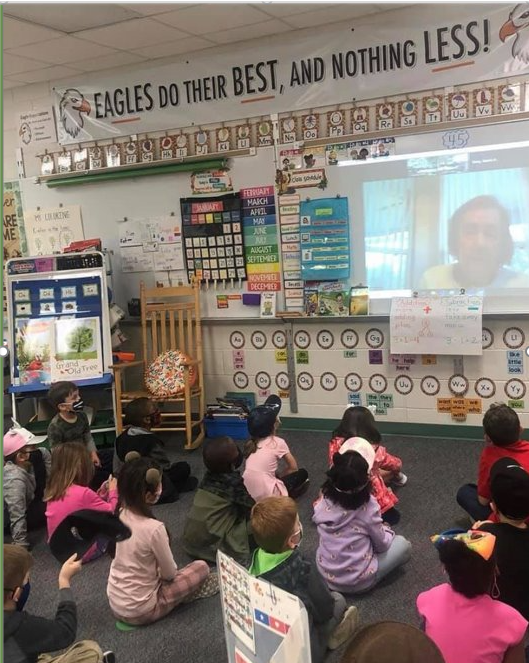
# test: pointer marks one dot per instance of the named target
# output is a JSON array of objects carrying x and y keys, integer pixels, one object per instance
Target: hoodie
[{"x": 27, "y": 636}]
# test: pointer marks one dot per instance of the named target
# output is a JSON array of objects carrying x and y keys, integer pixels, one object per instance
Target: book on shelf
[
  {"x": 332, "y": 299},
  {"x": 359, "y": 300}
]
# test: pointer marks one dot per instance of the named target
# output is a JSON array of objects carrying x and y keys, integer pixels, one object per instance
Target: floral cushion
[{"x": 165, "y": 375}]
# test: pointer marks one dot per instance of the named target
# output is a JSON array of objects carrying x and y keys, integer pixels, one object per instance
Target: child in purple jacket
[{"x": 356, "y": 548}]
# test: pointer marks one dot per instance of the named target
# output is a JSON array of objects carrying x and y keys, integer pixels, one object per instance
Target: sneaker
[
  {"x": 345, "y": 628},
  {"x": 400, "y": 480},
  {"x": 208, "y": 588},
  {"x": 109, "y": 657}
]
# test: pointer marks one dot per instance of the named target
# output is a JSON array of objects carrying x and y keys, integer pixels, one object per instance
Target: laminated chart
[
  {"x": 324, "y": 229},
  {"x": 436, "y": 325},
  {"x": 260, "y": 239}
]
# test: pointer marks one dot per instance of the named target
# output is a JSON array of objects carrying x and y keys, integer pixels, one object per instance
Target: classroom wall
[{"x": 105, "y": 204}]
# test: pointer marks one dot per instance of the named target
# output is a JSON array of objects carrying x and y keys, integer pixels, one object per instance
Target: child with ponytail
[{"x": 145, "y": 583}]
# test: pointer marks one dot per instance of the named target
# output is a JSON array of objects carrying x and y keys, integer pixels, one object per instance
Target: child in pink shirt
[
  {"x": 72, "y": 470},
  {"x": 263, "y": 453},
  {"x": 144, "y": 583},
  {"x": 358, "y": 421},
  {"x": 462, "y": 617}
]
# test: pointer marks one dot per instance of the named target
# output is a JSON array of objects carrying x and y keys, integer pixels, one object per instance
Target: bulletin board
[{"x": 106, "y": 205}]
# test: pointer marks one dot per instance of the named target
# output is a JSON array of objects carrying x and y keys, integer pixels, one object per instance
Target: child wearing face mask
[
  {"x": 278, "y": 533},
  {"x": 70, "y": 424},
  {"x": 141, "y": 415},
  {"x": 26, "y": 636},
  {"x": 68, "y": 491},
  {"x": 219, "y": 517},
  {"x": 145, "y": 583},
  {"x": 26, "y": 468}
]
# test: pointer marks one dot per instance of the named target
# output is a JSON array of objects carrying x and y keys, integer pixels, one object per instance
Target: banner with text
[{"x": 365, "y": 59}]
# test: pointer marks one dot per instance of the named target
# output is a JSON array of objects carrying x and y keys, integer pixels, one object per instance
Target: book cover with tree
[{"x": 78, "y": 352}]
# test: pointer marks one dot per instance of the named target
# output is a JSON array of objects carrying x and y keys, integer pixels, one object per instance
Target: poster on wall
[
  {"x": 211, "y": 181},
  {"x": 419, "y": 49},
  {"x": 213, "y": 238},
  {"x": 360, "y": 150},
  {"x": 36, "y": 129},
  {"x": 436, "y": 325},
  {"x": 51, "y": 229},
  {"x": 324, "y": 230},
  {"x": 261, "y": 239},
  {"x": 148, "y": 244},
  {"x": 14, "y": 241}
]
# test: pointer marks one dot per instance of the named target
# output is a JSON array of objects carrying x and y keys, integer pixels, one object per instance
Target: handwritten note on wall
[
  {"x": 50, "y": 230},
  {"x": 436, "y": 325}
]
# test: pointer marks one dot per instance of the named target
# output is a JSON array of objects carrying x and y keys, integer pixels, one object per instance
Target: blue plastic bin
[{"x": 230, "y": 426}]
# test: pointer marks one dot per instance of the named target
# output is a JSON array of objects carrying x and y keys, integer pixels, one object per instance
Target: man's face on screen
[{"x": 480, "y": 245}]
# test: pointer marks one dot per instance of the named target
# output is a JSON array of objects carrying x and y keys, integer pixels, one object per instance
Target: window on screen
[{"x": 448, "y": 222}]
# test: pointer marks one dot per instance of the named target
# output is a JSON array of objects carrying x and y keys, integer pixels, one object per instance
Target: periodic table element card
[{"x": 213, "y": 238}]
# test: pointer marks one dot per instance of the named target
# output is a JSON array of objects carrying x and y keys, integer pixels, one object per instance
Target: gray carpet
[{"x": 194, "y": 633}]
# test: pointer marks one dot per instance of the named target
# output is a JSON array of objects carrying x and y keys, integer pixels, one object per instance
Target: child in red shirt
[
  {"x": 358, "y": 421},
  {"x": 502, "y": 429}
]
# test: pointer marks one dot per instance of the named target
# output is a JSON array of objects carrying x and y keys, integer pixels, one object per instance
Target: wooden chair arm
[{"x": 126, "y": 364}]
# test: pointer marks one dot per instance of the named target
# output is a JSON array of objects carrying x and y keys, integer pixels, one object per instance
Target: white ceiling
[{"x": 46, "y": 42}]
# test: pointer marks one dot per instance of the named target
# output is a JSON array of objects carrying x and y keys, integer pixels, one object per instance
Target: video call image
[{"x": 446, "y": 223}]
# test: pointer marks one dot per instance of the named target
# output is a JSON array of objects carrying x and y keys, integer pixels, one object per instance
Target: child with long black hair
[
  {"x": 462, "y": 617},
  {"x": 145, "y": 583},
  {"x": 356, "y": 549}
]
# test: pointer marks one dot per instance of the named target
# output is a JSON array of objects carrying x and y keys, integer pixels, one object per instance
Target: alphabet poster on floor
[
  {"x": 262, "y": 622},
  {"x": 324, "y": 226}
]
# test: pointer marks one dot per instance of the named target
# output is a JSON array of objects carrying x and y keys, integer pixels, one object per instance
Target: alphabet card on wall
[
  {"x": 360, "y": 120},
  {"x": 147, "y": 150},
  {"x": 50, "y": 230},
  {"x": 438, "y": 325},
  {"x": 483, "y": 99},
  {"x": 386, "y": 114},
  {"x": 223, "y": 139},
  {"x": 458, "y": 106},
  {"x": 509, "y": 98},
  {"x": 408, "y": 112},
  {"x": 433, "y": 109}
]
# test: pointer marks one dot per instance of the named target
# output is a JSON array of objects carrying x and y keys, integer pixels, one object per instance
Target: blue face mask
[{"x": 21, "y": 602}]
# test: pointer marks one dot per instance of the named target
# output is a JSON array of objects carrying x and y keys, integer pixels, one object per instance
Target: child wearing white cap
[{"x": 25, "y": 471}]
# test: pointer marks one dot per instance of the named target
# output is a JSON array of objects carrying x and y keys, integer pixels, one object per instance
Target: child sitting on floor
[
  {"x": 509, "y": 486},
  {"x": 26, "y": 636},
  {"x": 68, "y": 491},
  {"x": 219, "y": 517},
  {"x": 358, "y": 421},
  {"x": 502, "y": 429},
  {"x": 462, "y": 617},
  {"x": 278, "y": 533},
  {"x": 70, "y": 424},
  {"x": 145, "y": 583},
  {"x": 25, "y": 472},
  {"x": 356, "y": 549},
  {"x": 141, "y": 415},
  {"x": 263, "y": 453}
]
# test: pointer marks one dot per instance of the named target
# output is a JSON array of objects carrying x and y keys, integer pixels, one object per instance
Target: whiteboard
[
  {"x": 104, "y": 205},
  {"x": 436, "y": 325}
]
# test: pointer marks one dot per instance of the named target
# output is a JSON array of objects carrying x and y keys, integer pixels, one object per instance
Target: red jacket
[{"x": 519, "y": 451}]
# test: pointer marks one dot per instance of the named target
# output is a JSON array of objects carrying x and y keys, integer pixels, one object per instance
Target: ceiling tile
[
  {"x": 271, "y": 27},
  {"x": 119, "y": 59},
  {"x": 71, "y": 17},
  {"x": 18, "y": 33},
  {"x": 330, "y": 15},
  {"x": 16, "y": 64},
  {"x": 47, "y": 74},
  {"x": 151, "y": 8},
  {"x": 132, "y": 34},
  {"x": 280, "y": 9},
  {"x": 199, "y": 20},
  {"x": 62, "y": 51},
  {"x": 174, "y": 47}
]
